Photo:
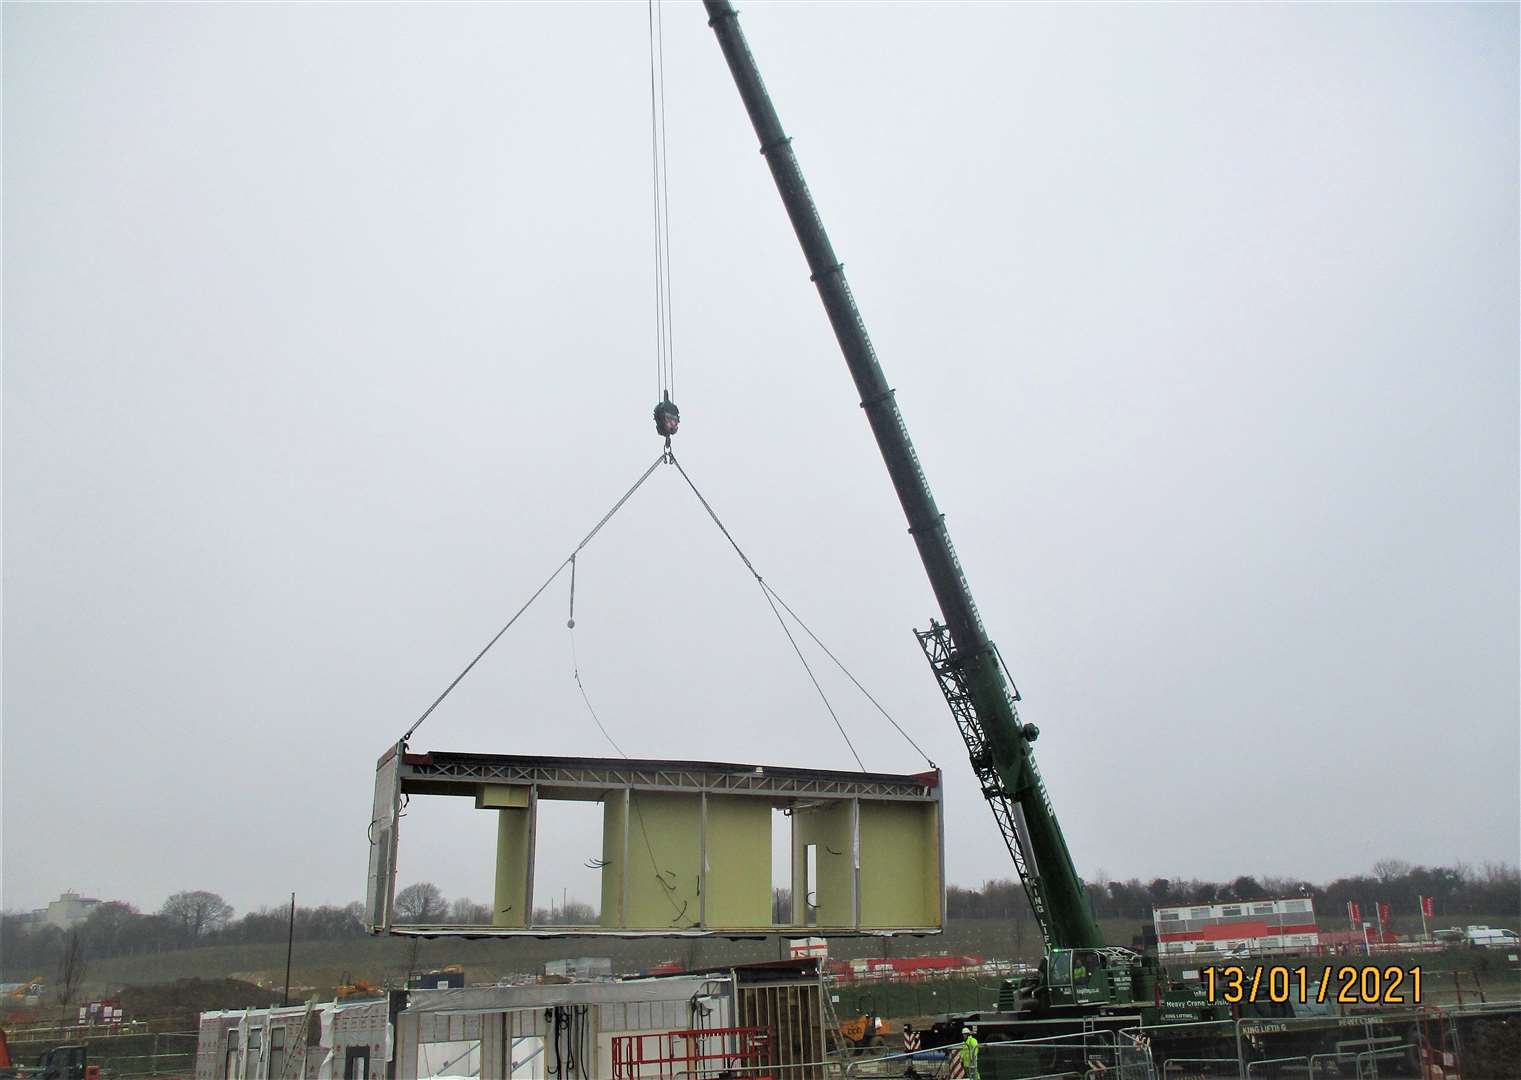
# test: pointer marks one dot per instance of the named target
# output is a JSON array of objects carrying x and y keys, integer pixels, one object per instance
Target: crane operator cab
[{"x": 1085, "y": 977}]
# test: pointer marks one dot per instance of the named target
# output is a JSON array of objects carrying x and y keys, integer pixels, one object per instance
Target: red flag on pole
[
  {"x": 1383, "y": 913},
  {"x": 1428, "y": 906},
  {"x": 1354, "y": 913}
]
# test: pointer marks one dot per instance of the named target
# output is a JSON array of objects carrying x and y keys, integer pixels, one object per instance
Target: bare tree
[
  {"x": 466, "y": 912},
  {"x": 71, "y": 973},
  {"x": 573, "y": 913},
  {"x": 1387, "y": 870},
  {"x": 421, "y": 903},
  {"x": 197, "y": 913}
]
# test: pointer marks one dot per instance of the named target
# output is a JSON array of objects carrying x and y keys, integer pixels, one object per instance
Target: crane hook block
[{"x": 667, "y": 418}]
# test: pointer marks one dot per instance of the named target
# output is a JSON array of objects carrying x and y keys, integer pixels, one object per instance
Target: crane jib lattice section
[{"x": 939, "y": 650}]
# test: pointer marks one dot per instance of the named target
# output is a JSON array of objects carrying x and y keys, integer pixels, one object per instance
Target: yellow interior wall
[
  {"x": 829, "y": 827},
  {"x": 511, "y": 902},
  {"x": 662, "y": 861},
  {"x": 900, "y": 875},
  {"x": 900, "y": 865},
  {"x": 739, "y": 862},
  {"x": 610, "y": 914}
]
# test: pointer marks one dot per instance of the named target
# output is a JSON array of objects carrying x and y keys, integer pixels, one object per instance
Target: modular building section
[
  {"x": 686, "y": 844},
  {"x": 1257, "y": 925},
  {"x": 563, "y": 1031},
  {"x": 685, "y": 1025},
  {"x": 549, "y": 1032},
  {"x": 350, "y": 1039}
]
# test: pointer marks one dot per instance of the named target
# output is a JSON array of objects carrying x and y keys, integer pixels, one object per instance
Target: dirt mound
[{"x": 190, "y": 997}]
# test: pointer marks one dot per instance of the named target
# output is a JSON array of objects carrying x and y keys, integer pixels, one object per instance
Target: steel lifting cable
[
  {"x": 665, "y": 201},
  {"x": 569, "y": 561},
  {"x": 773, "y": 594},
  {"x": 837, "y": 663},
  {"x": 665, "y": 360},
  {"x": 660, "y": 387},
  {"x": 766, "y": 592}
]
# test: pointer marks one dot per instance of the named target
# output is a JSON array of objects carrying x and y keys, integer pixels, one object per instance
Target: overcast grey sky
[{"x": 328, "y": 332}]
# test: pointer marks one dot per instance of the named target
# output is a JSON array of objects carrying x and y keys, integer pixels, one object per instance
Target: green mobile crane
[
  {"x": 1080, "y": 972},
  {"x": 1080, "y": 977}
]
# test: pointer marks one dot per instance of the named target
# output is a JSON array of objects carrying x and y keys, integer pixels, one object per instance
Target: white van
[{"x": 1491, "y": 937}]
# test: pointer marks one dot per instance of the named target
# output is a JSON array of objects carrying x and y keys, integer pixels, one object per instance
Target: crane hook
[{"x": 667, "y": 417}]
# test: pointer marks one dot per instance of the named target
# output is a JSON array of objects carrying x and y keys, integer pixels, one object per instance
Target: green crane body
[{"x": 965, "y": 661}]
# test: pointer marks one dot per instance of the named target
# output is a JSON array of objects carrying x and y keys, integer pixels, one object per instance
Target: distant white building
[
  {"x": 69, "y": 910},
  {"x": 581, "y": 967}
]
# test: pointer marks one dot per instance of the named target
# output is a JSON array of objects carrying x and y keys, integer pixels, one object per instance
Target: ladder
[
  {"x": 835, "y": 1045},
  {"x": 289, "y": 1071}
]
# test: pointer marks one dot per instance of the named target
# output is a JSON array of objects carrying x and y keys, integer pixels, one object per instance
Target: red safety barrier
[{"x": 691, "y": 1052}]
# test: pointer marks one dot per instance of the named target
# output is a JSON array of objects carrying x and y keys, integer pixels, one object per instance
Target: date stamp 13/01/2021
[{"x": 1346, "y": 984}]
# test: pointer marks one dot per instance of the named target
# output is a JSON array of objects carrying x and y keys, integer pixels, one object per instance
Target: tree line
[
  {"x": 1491, "y": 889},
  {"x": 185, "y": 920},
  {"x": 424, "y": 902},
  {"x": 189, "y": 919},
  {"x": 199, "y": 918}
]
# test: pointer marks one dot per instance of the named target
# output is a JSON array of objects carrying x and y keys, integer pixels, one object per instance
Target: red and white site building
[
  {"x": 888, "y": 967},
  {"x": 1254, "y": 925},
  {"x": 906, "y": 967}
]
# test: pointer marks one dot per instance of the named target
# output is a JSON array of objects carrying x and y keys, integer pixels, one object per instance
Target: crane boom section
[{"x": 965, "y": 661}]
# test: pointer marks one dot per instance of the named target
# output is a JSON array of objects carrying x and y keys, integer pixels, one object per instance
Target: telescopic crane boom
[{"x": 966, "y": 662}]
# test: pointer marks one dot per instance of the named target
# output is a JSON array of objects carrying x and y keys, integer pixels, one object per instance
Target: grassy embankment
[{"x": 320, "y": 966}]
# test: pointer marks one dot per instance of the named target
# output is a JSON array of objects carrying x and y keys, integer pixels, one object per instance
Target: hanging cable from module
[
  {"x": 773, "y": 598},
  {"x": 664, "y": 877},
  {"x": 766, "y": 591},
  {"x": 575, "y": 670},
  {"x": 569, "y": 562},
  {"x": 667, "y": 415}
]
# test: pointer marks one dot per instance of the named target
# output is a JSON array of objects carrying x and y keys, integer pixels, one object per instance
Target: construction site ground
[{"x": 321, "y": 965}]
